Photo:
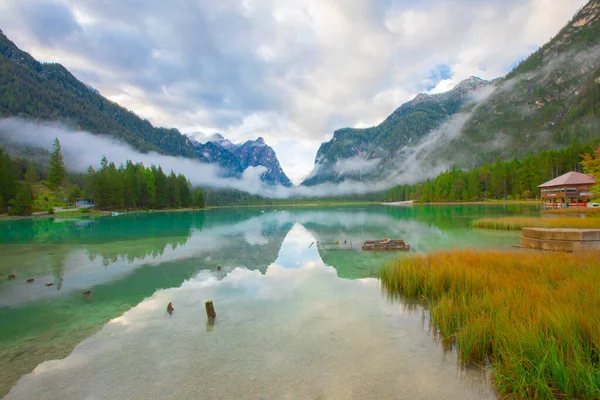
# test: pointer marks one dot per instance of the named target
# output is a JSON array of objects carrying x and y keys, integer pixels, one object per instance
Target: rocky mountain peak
[{"x": 216, "y": 137}]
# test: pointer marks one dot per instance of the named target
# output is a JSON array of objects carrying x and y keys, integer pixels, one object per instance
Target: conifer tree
[
  {"x": 8, "y": 180},
  {"x": 198, "y": 198},
  {"x": 31, "y": 175},
  {"x": 23, "y": 203},
  {"x": 185, "y": 195},
  {"x": 56, "y": 169}
]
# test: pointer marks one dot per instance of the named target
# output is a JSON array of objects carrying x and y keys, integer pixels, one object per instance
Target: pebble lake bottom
[{"x": 293, "y": 320}]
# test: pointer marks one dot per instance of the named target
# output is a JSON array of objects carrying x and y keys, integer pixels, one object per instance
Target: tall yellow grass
[
  {"x": 517, "y": 223},
  {"x": 534, "y": 316},
  {"x": 588, "y": 211}
]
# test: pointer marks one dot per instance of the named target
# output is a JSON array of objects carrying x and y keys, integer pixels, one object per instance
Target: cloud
[
  {"x": 81, "y": 149},
  {"x": 356, "y": 164},
  {"x": 290, "y": 71}
]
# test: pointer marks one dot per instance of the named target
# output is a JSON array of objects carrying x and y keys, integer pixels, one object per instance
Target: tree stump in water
[{"x": 210, "y": 310}]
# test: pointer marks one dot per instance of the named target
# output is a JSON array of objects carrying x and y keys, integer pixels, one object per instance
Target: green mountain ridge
[
  {"x": 48, "y": 92},
  {"x": 549, "y": 99}
]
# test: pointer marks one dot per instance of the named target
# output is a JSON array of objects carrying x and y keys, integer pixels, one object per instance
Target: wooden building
[{"x": 572, "y": 188}]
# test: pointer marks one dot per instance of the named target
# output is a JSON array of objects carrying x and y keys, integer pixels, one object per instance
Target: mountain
[
  {"x": 547, "y": 101},
  {"x": 365, "y": 154},
  {"x": 49, "y": 92},
  {"x": 256, "y": 153},
  {"x": 236, "y": 158}
]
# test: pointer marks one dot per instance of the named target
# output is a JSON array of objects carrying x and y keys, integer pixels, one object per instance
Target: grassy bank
[
  {"x": 533, "y": 316},
  {"x": 517, "y": 223},
  {"x": 574, "y": 210},
  {"x": 487, "y": 202}
]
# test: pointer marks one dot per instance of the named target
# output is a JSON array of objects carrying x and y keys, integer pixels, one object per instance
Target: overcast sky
[{"x": 291, "y": 71}]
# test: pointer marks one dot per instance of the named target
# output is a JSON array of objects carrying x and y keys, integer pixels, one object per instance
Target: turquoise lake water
[{"x": 295, "y": 319}]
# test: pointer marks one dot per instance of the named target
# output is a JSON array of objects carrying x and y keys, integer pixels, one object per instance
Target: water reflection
[
  {"x": 127, "y": 259},
  {"x": 294, "y": 331}
]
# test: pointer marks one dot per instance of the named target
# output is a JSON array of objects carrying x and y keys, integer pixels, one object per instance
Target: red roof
[{"x": 570, "y": 178}]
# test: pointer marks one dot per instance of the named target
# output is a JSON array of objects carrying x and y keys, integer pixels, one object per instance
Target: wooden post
[{"x": 210, "y": 310}]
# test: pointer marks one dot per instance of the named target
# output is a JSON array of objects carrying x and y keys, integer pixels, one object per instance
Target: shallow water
[{"x": 294, "y": 320}]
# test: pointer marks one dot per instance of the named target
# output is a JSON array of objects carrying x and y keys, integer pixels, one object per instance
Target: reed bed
[
  {"x": 534, "y": 317},
  {"x": 587, "y": 211},
  {"x": 518, "y": 223}
]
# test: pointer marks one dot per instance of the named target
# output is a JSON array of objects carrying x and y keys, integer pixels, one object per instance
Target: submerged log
[
  {"x": 385, "y": 244},
  {"x": 210, "y": 310},
  {"x": 170, "y": 309}
]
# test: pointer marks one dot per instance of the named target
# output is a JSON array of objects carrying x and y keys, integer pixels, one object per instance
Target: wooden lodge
[{"x": 570, "y": 189}]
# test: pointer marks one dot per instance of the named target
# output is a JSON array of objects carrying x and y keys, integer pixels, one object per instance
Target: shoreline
[
  {"x": 98, "y": 213},
  {"x": 490, "y": 202}
]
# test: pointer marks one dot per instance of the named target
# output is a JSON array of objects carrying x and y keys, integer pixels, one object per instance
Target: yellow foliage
[
  {"x": 518, "y": 223},
  {"x": 534, "y": 316}
]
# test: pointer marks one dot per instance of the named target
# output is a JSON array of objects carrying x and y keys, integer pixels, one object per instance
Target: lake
[{"x": 295, "y": 318}]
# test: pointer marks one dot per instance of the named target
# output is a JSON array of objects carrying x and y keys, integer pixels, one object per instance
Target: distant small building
[{"x": 572, "y": 188}]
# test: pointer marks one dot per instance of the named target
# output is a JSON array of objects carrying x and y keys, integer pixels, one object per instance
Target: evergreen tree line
[
  {"x": 233, "y": 197},
  {"x": 130, "y": 186},
  {"x": 134, "y": 186},
  {"x": 48, "y": 91},
  {"x": 516, "y": 179},
  {"x": 16, "y": 179}
]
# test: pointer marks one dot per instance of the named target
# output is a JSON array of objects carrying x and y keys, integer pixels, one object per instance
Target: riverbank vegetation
[
  {"x": 516, "y": 179},
  {"x": 26, "y": 188},
  {"x": 532, "y": 316},
  {"x": 232, "y": 197},
  {"x": 586, "y": 211},
  {"x": 518, "y": 223}
]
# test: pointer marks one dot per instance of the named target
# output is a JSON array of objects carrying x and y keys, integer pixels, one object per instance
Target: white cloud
[
  {"x": 290, "y": 71},
  {"x": 356, "y": 164}
]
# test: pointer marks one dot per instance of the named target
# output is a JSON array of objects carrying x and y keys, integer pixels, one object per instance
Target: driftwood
[
  {"x": 385, "y": 244},
  {"x": 210, "y": 310}
]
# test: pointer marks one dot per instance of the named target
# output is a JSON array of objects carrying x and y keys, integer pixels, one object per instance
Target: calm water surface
[{"x": 294, "y": 319}]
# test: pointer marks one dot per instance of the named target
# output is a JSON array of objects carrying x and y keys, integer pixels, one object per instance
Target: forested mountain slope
[
  {"x": 549, "y": 99},
  {"x": 49, "y": 92}
]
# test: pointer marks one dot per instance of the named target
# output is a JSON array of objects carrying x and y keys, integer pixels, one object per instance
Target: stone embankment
[{"x": 561, "y": 239}]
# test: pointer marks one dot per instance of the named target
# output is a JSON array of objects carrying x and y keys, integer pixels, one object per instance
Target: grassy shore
[
  {"x": 574, "y": 210},
  {"x": 71, "y": 213},
  {"x": 533, "y": 316},
  {"x": 518, "y": 223},
  {"x": 486, "y": 202}
]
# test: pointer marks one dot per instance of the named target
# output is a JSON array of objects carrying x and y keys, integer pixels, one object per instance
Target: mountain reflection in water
[{"x": 286, "y": 320}]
